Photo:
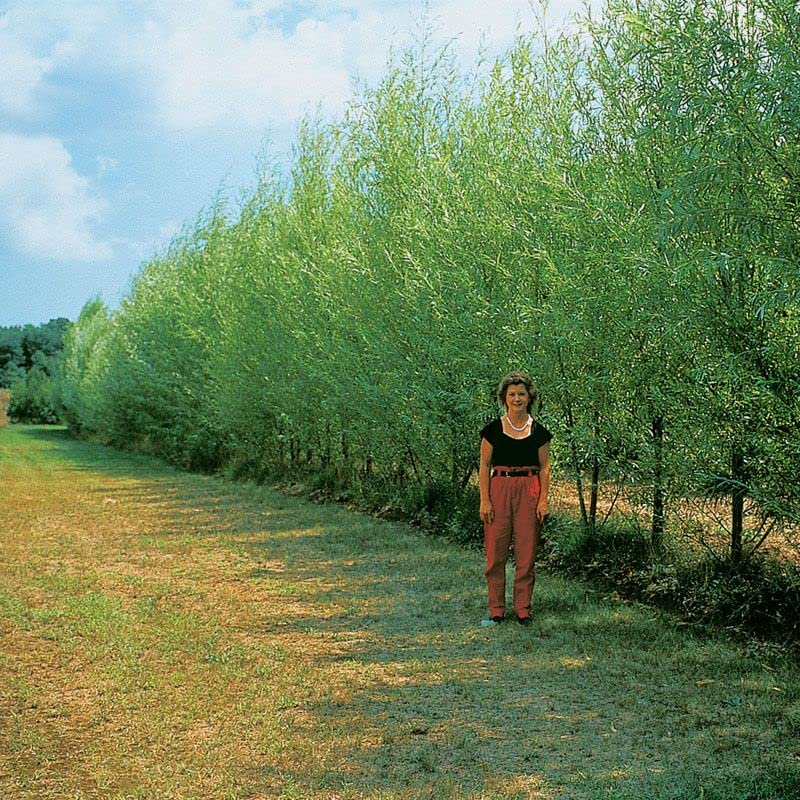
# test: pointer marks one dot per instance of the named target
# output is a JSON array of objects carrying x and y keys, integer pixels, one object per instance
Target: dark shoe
[
  {"x": 524, "y": 620},
  {"x": 488, "y": 623}
]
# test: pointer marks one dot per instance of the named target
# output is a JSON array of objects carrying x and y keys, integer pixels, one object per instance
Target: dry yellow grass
[
  {"x": 5, "y": 398},
  {"x": 168, "y": 635}
]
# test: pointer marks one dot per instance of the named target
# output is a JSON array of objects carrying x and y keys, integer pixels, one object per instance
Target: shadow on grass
[
  {"x": 597, "y": 699},
  {"x": 86, "y": 455}
]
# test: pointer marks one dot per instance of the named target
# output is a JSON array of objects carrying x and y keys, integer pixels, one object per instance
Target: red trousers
[{"x": 514, "y": 500}]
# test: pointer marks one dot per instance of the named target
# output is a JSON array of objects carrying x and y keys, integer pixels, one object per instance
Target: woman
[{"x": 514, "y": 481}]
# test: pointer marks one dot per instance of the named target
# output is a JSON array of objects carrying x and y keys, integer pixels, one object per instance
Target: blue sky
[{"x": 121, "y": 121}]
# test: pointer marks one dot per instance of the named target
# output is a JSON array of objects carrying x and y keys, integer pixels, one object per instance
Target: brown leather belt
[{"x": 514, "y": 473}]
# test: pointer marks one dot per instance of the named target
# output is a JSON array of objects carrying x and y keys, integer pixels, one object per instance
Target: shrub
[
  {"x": 759, "y": 595},
  {"x": 617, "y": 548},
  {"x": 34, "y": 399}
]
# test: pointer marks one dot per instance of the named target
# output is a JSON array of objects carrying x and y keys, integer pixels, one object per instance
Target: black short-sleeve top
[{"x": 510, "y": 452}]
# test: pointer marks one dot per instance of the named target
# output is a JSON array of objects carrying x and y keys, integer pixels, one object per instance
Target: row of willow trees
[{"x": 614, "y": 210}]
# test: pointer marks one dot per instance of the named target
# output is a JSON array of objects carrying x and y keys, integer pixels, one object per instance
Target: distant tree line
[
  {"x": 30, "y": 367},
  {"x": 615, "y": 210}
]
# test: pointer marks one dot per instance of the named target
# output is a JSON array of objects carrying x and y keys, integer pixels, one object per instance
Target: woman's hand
[
  {"x": 487, "y": 511},
  {"x": 542, "y": 511}
]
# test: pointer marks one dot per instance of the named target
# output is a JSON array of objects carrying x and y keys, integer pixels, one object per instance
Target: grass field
[{"x": 169, "y": 635}]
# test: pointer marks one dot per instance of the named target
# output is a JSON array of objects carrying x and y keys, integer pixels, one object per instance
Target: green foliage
[
  {"x": 157, "y": 379},
  {"x": 85, "y": 367},
  {"x": 623, "y": 546},
  {"x": 614, "y": 210},
  {"x": 34, "y": 397},
  {"x": 24, "y": 347},
  {"x": 30, "y": 363}
]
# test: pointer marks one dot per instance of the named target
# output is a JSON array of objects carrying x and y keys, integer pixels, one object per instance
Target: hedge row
[{"x": 614, "y": 210}]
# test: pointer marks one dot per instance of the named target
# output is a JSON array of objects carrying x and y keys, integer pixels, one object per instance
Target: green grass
[{"x": 176, "y": 636}]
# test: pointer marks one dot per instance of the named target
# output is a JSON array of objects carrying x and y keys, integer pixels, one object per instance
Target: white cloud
[
  {"x": 47, "y": 209},
  {"x": 215, "y": 67},
  {"x": 23, "y": 73},
  {"x": 37, "y": 37},
  {"x": 229, "y": 64},
  {"x": 234, "y": 64},
  {"x": 105, "y": 164}
]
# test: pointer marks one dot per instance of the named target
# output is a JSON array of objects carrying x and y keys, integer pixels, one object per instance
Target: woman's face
[{"x": 517, "y": 397}]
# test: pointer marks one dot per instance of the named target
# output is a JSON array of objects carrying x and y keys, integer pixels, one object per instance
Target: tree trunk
[
  {"x": 657, "y": 528},
  {"x": 595, "y": 491},
  {"x": 737, "y": 510},
  {"x": 579, "y": 487},
  {"x": 467, "y": 475},
  {"x": 325, "y": 449},
  {"x": 574, "y": 450},
  {"x": 577, "y": 467},
  {"x": 595, "y": 475}
]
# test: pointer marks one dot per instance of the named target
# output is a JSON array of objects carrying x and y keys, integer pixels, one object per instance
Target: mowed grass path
[{"x": 169, "y": 635}]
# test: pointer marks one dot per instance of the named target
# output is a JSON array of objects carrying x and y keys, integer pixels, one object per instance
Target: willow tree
[
  {"x": 86, "y": 360},
  {"x": 696, "y": 98},
  {"x": 157, "y": 382}
]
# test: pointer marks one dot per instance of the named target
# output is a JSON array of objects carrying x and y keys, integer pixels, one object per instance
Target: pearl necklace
[{"x": 519, "y": 430}]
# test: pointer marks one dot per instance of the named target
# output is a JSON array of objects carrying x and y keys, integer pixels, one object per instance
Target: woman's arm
[
  {"x": 542, "y": 509},
  {"x": 484, "y": 476}
]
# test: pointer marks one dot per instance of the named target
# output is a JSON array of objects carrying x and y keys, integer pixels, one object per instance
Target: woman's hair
[{"x": 514, "y": 378}]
